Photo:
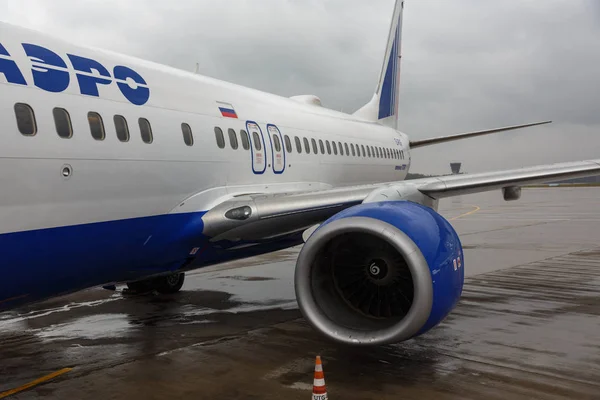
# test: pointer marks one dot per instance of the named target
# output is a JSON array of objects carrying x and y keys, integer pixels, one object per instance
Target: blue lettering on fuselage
[
  {"x": 51, "y": 73},
  {"x": 10, "y": 69},
  {"x": 49, "y": 70}
]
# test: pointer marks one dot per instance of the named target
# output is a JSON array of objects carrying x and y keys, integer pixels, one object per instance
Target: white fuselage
[
  {"x": 78, "y": 210},
  {"x": 114, "y": 180}
]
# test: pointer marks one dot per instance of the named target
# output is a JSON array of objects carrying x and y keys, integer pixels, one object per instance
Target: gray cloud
[{"x": 467, "y": 64}]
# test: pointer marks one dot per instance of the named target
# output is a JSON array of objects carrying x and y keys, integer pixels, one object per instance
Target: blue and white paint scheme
[{"x": 119, "y": 170}]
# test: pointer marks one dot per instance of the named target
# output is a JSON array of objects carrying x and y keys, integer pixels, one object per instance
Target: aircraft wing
[
  {"x": 454, "y": 185},
  {"x": 266, "y": 216}
]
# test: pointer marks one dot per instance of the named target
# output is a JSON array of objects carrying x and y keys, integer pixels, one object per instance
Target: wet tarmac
[{"x": 527, "y": 326}]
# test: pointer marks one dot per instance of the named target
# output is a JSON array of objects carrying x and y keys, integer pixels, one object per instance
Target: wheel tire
[{"x": 170, "y": 284}]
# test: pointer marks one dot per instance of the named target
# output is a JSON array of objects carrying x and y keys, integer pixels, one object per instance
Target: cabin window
[
  {"x": 347, "y": 149},
  {"x": 188, "y": 137},
  {"x": 321, "y": 146},
  {"x": 121, "y": 128},
  {"x": 62, "y": 121},
  {"x": 364, "y": 153},
  {"x": 245, "y": 140},
  {"x": 353, "y": 151},
  {"x": 288, "y": 143},
  {"x": 277, "y": 143},
  {"x": 96, "y": 126},
  {"x": 298, "y": 144},
  {"x": 256, "y": 139},
  {"x": 306, "y": 145},
  {"x": 145, "y": 130},
  {"x": 314, "y": 146},
  {"x": 389, "y": 153},
  {"x": 219, "y": 137},
  {"x": 334, "y": 148},
  {"x": 368, "y": 152},
  {"x": 25, "y": 119},
  {"x": 328, "y": 146},
  {"x": 233, "y": 141},
  {"x": 358, "y": 150}
]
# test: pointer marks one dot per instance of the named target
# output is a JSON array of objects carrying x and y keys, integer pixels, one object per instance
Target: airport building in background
[{"x": 455, "y": 167}]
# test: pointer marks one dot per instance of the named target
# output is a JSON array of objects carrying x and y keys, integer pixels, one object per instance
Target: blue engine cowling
[{"x": 380, "y": 273}]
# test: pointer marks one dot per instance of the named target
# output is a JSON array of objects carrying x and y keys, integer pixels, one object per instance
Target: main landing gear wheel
[
  {"x": 170, "y": 284},
  {"x": 164, "y": 284}
]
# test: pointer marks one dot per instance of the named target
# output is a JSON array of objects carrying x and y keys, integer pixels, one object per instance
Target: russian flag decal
[{"x": 227, "y": 110}]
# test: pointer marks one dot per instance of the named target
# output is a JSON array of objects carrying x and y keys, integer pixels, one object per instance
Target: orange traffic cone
[{"x": 319, "y": 391}]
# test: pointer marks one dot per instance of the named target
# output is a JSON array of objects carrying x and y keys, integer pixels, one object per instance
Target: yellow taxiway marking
[
  {"x": 473, "y": 211},
  {"x": 34, "y": 383}
]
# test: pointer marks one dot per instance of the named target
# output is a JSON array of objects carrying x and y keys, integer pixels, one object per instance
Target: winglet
[{"x": 442, "y": 139}]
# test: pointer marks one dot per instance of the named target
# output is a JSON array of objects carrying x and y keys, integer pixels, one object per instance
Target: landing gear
[
  {"x": 163, "y": 284},
  {"x": 170, "y": 284}
]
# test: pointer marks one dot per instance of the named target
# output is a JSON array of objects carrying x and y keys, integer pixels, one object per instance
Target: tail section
[{"x": 383, "y": 107}]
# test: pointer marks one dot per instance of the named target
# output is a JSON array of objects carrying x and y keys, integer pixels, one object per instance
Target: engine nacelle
[{"x": 380, "y": 273}]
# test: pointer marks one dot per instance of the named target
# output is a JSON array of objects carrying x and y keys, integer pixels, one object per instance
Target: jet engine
[{"x": 380, "y": 273}]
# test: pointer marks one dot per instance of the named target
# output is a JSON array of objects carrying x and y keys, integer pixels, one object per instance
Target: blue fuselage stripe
[
  {"x": 48, "y": 262},
  {"x": 44, "y": 263}
]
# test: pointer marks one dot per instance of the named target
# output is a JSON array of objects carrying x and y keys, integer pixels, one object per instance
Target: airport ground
[{"x": 527, "y": 326}]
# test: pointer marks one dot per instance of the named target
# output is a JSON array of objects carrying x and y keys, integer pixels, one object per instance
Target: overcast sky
[{"x": 467, "y": 64}]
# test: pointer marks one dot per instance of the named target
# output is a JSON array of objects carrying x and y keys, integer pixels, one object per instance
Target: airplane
[{"x": 119, "y": 170}]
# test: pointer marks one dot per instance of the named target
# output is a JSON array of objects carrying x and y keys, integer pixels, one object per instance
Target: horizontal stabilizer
[{"x": 442, "y": 139}]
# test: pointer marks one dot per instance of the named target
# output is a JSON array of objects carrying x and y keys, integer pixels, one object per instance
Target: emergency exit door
[
  {"x": 257, "y": 147},
  {"x": 277, "y": 152}
]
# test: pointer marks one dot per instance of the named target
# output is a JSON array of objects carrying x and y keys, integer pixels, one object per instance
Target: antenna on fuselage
[{"x": 197, "y": 68}]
